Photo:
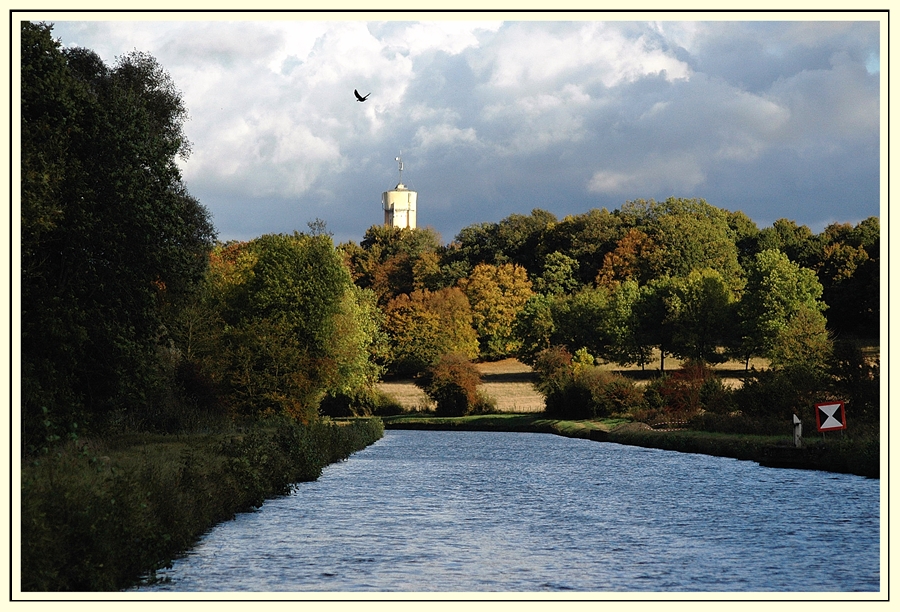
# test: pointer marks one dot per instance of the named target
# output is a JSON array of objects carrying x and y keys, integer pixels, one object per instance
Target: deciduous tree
[
  {"x": 777, "y": 291},
  {"x": 496, "y": 294},
  {"x": 424, "y": 325},
  {"x": 109, "y": 233}
]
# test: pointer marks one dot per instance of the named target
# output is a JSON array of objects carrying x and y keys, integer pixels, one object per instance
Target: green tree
[
  {"x": 626, "y": 345},
  {"x": 581, "y": 320},
  {"x": 534, "y": 328},
  {"x": 702, "y": 313},
  {"x": 796, "y": 241},
  {"x": 690, "y": 235},
  {"x": 359, "y": 344},
  {"x": 655, "y": 317},
  {"x": 295, "y": 326},
  {"x": 558, "y": 276},
  {"x": 109, "y": 235},
  {"x": 746, "y": 236},
  {"x": 777, "y": 292}
]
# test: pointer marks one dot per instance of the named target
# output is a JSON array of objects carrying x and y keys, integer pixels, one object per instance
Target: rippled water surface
[{"x": 482, "y": 511}]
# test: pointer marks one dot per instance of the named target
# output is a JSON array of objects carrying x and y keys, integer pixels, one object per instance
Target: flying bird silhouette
[{"x": 360, "y": 98}]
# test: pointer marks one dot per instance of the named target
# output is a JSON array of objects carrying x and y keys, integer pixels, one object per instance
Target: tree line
[
  {"x": 681, "y": 276},
  {"x": 135, "y": 316}
]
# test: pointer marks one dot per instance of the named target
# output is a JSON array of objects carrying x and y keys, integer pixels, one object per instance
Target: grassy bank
[
  {"x": 846, "y": 455},
  {"x": 98, "y": 515}
]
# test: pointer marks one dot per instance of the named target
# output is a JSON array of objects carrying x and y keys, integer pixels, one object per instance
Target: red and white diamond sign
[{"x": 830, "y": 416}]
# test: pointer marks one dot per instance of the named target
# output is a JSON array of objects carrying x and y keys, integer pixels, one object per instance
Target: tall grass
[{"x": 96, "y": 517}]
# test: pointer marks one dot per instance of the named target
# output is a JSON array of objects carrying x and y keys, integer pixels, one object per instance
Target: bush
[
  {"x": 371, "y": 402},
  {"x": 688, "y": 392},
  {"x": 452, "y": 382},
  {"x": 856, "y": 380},
  {"x": 781, "y": 393},
  {"x": 574, "y": 389},
  {"x": 553, "y": 368}
]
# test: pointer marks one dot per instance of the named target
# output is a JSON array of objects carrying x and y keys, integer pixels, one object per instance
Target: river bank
[
  {"x": 843, "y": 455},
  {"x": 97, "y": 515}
]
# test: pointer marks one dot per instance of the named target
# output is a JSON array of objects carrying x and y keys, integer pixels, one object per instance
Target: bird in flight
[{"x": 360, "y": 98}]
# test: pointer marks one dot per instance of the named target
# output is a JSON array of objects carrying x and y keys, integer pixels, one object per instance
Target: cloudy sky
[{"x": 777, "y": 119}]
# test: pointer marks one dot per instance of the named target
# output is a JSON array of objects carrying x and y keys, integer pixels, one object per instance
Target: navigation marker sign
[{"x": 830, "y": 416}]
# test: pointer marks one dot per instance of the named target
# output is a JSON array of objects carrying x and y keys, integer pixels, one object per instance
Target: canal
[{"x": 517, "y": 512}]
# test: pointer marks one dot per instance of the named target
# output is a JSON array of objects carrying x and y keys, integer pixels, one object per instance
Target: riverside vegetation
[
  {"x": 169, "y": 379},
  {"x": 98, "y": 515}
]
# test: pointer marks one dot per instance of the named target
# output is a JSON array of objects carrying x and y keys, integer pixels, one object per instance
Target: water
[{"x": 484, "y": 511}]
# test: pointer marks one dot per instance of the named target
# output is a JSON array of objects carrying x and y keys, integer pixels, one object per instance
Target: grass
[
  {"x": 98, "y": 515},
  {"x": 501, "y": 422}
]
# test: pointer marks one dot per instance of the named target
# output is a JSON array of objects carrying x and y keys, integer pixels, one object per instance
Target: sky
[{"x": 776, "y": 119}]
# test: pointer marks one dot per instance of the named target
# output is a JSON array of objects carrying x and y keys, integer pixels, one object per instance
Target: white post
[{"x": 798, "y": 432}]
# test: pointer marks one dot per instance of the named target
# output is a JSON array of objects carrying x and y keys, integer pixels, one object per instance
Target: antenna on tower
[{"x": 399, "y": 160}]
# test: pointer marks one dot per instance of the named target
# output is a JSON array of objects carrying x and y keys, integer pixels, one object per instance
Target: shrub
[
  {"x": 452, "y": 382},
  {"x": 781, "y": 393},
  {"x": 689, "y": 391},
  {"x": 574, "y": 389},
  {"x": 370, "y": 402},
  {"x": 553, "y": 367},
  {"x": 97, "y": 523}
]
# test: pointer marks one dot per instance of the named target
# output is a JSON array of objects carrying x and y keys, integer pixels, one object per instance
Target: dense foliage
[
  {"x": 112, "y": 243},
  {"x": 96, "y": 518},
  {"x": 678, "y": 278},
  {"x": 452, "y": 383}
]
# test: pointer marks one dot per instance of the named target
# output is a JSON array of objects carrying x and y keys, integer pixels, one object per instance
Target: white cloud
[
  {"x": 451, "y": 37},
  {"x": 671, "y": 175},
  {"x": 533, "y": 55},
  {"x": 566, "y": 115},
  {"x": 444, "y": 135}
]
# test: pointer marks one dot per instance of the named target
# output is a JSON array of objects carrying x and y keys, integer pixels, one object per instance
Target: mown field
[{"x": 509, "y": 382}]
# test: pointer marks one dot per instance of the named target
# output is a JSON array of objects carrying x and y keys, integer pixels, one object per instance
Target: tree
[
  {"x": 654, "y": 314},
  {"x": 690, "y": 235},
  {"x": 558, "y": 276},
  {"x": 358, "y": 345},
  {"x": 109, "y": 234},
  {"x": 452, "y": 382},
  {"x": 796, "y": 241},
  {"x": 295, "y": 326},
  {"x": 626, "y": 346},
  {"x": 581, "y": 321},
  {"x": 424, "y": 325},
  {"x": 496, "y": 294},
  {"x": 636, "y": 257},
  {"x": 534, "y": 328},
  {"x": 746, "y": 236},
  {"x": 848, "y": 269},
  {"x": 587, "y": 238},
  {"x": 701, "y": 309},
  {"x": 777, "y": 292},
  {"x": 392, "y": 260}
]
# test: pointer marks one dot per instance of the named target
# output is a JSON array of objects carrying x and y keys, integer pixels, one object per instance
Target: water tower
[{"x": 399, "y": 204}]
